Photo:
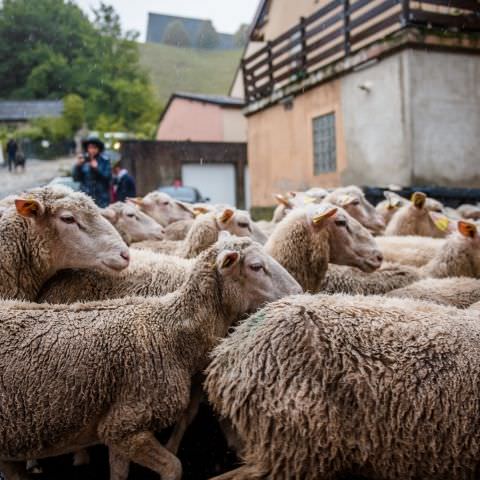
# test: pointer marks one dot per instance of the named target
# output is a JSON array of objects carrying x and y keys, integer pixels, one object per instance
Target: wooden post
[
  {"x": 346, "y": 26},
  {"x": 303, "y": 43},
  {"x": 405, "y": 12},
  {"x": 271, "y": 79},
  {"x": 245, "y": 80}
]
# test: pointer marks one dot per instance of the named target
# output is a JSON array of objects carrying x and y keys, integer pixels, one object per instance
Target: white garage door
[{"x": 216, "y": 182}]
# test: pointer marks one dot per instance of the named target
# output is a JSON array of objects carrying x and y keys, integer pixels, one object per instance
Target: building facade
[{"x": 371, "y": 93}]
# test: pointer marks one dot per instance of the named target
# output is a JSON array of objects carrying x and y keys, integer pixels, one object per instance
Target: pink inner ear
[{"x": 229, "y": 259}]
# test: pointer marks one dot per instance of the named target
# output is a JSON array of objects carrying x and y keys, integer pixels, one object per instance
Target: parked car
[
  {"x": 184, "y": 194},
  {"x": 67, "y": 182}
]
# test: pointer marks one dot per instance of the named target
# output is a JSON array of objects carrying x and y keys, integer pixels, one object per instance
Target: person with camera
[{"x": 94, "y": 172}]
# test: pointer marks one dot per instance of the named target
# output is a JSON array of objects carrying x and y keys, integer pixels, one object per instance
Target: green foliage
[
  {"x": 207, "y": 36},
  {"x": 188, "y": 69},
  {"x": 50, "y": 49},
  {"x": 241, "y": 36},
  {"x": 176, "y": 35}
]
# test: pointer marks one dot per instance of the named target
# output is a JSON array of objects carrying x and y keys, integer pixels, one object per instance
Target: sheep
[
  {"x": 409, "y": 249},
  {"x": 49, "y": 229},
  {"x": 460, "y": 292},
  {"x": 415, "y": 219},
  {"x": 178, "y": 230},
  {"x": 310, "y": 237},
  {"x": 149, "y": 274},
  {"x": 163, "y": 208},
  {"x": 203, "y": 233},
  {"x": 475, "y": 307},
  {"x": 296, "y": 199},
  {"x": 132, "y": 224},
  {"x": 354, "y": 202},
  {"x": 328, "y": 386},
  {"x": 114, "y": 372},
  {"x": 387, "y": 208},
  {"x": 459, "y": 256},
  {"x": 391, "y": 276},
  {"x": 469, "y": 212}
]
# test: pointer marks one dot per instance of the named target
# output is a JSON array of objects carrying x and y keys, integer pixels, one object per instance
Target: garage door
[{"x": 216, "y": 182}]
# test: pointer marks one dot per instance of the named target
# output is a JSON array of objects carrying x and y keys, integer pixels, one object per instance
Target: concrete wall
[
  {"x": 445, "y": 114},
  {"x": 376, "y": 124},
  {"x": 280, "y": 145},
  {"x": 202, "y": 122}
]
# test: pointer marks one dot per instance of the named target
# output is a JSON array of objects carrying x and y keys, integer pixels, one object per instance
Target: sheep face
[
  {"x": 470, "y": 238},
  {"x": 350, "y": 243},
  {"x": 251, "y": 277},
  {"x": 354, "y": 202},
  {"x": 163, "y": 208},
  {"x": 73, "y": 232},
  {"x": 236, "y": 222},
  {"x": 135, "y": 224}
]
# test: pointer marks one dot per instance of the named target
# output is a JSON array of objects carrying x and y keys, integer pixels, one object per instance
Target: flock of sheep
[{"x": 336, "y": 339}]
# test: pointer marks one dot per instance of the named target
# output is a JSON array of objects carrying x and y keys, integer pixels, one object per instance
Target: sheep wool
[
  {"x": 328, "y": 386},
  {"x": 460, "y": 292}
]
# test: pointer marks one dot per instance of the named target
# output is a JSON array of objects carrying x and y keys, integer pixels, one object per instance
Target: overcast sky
[{"x": 226, "y": 15}]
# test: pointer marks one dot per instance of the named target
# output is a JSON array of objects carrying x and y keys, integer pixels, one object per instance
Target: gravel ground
[{"x": 38, "y": 173}]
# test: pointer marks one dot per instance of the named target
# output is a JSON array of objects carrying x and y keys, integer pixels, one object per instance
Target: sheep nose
[
  {"x": 379, "y": 257},
  {"x": 125, "y": 254}
]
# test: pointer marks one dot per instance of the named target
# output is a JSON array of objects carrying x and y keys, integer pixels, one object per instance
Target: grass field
[{"x": 189, "y": 70}]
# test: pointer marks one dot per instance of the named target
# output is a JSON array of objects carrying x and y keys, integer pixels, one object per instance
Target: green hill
[{"x": 188, "y": 69}]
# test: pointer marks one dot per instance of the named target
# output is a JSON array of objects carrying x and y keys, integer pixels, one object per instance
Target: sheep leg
[
  {"x": 144, "y": 449},
  {"x": 13, "y": 471},
  {"x": 240, "y": 473},
  {"x": 185, "y": 419},
  {"x": 119, "y": 465},
  {"x": 81, "y": 457}
]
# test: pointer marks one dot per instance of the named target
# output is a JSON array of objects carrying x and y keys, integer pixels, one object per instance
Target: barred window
[{"x": 324, "y": 144}]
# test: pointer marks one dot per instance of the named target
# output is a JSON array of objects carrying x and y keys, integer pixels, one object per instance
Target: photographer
[{"x": 94, "y": 172}]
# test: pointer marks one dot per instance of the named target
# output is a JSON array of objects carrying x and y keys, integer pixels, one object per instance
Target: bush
[
  {"x": 176, "y": 35},
  {"x": 208, "y": 37}
]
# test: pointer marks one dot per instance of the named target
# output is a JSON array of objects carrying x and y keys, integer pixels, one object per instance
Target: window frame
[{"x": 332, "y": 165}]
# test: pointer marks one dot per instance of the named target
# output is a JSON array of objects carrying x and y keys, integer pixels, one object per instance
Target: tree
[
  {"x": 50, "y": 49},
  {"x": 74, "y": 111},
  {"x": 240, "y": 37},
  {"x": 207, "y": 36},
  {"x": 176, "y": 35}
]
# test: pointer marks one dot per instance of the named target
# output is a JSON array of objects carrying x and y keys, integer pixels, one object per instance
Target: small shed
[{"x": 16, "y": 111}]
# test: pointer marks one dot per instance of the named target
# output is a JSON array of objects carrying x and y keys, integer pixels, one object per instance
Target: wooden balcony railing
[{"x": 343, "y": 27}]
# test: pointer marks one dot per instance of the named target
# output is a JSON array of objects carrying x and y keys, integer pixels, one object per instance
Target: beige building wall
[
  {"x": 280, "y": 145},
  {"x": 202, "y": 122}
]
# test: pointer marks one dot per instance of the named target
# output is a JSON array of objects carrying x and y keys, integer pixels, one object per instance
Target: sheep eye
[
  {"x": 341, "y": 223},
  {"x": 131, "y": 215},
  {"x": 243, "y": 225},
  {"x": 356, "y": 202},
  {"x": 67, "y": 219},
  {"x": 256, "y": 267}
]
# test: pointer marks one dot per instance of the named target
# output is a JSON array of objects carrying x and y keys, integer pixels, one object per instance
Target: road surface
[{"x": 38, "y": 173}]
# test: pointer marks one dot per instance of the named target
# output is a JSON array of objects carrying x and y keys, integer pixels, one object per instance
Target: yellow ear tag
[{"x": 442, "y": 223}]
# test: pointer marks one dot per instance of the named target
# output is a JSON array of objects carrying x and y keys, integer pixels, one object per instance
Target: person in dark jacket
[
  {"x": 94, "y": 172},
  {"x": 12, "y": 148},
  {"x": 124, "y": 183}
]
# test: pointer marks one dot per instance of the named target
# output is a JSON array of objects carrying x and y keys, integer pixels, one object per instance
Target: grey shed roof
[
  {"x": 222, "y": 100},
  {"x": 13, "y": 110}
]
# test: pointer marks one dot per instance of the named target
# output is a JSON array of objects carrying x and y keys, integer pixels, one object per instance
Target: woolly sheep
[
  {"x": 149, "y": 274},
  {"x": 414, "y": 219},
  {"x": 471, "y": 212},
  {"x": 391, "y": 276},
  {"x": 310, "y": 237},
  {"x": 60, "y": 391},
  {"x": 328, "y": 386},
  {"x": 49, "y": 229},
  {"x": 163, "y": 208},
  {"x": 409, "y": 249},
  {"x": 178, "y": 230},
  {"x": 460, "y": 292},
  {"x": 203, "y": 233},
  {"x": 132, "y": 224},
  {"x": 475, "y": 307},
  {"x": 354, "y": 202},
  {"x": 296, "y": 200}
]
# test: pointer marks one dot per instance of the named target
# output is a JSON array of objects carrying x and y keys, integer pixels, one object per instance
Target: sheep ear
[
  {"x": 135, "y": 201},
  {"x": 292, "y": 194},
  {"x": 320, "y": 217},
  {"x": 226, "y": 215},
  {"x": 200, "y": 211},
  {"x": 442, "y": 222},
  {"x": 185, "y": 207},
  {"x": 394, "y": 200},
  {"x": 346, "y": 200},
  {"x": 467, "y": 229},
  {"x": 29, "y": 207},
  {"x": 283, "y": 200},
  {"x": 109, "y": 214},
  {"x": 418, "y": 199},
  {"x": 228, "y": 259}
]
